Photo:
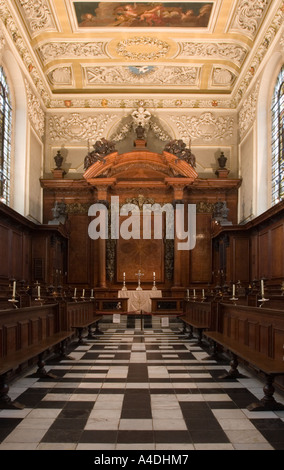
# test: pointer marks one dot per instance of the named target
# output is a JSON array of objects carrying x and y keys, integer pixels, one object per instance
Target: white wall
[{"x": 255, "y": 135}]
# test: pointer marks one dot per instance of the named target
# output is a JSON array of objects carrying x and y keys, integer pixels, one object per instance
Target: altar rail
[
  {"x": 167, "y": 305},
  {"x": 111, "y": 304}
]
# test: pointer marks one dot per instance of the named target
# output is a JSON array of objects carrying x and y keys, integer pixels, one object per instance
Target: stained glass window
[
  {"x": 5, "y": 138},
  {"x": 277, "y": 109}
]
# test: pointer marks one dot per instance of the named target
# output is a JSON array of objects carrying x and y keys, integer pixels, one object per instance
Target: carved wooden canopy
[{"x": 140, "y": 167}]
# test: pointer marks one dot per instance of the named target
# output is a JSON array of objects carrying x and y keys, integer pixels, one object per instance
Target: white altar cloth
[{"x": 139, "y": 299}]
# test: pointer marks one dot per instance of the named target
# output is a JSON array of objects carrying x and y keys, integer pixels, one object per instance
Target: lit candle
[
  {"x": 193, "y": 292},
  {"x": 262, "y": 287},
  {"x": 38, "y": 291},
  {"x": 83, "y": 295},
  {"x": 123, "y": 275},
  {"x": 187, "y": 292},
  {"x": 154, "y": 273},
  {"x": 234, "y": 289},
  {"x": 14, "y": 288},
  {"x": 203, "y": 295},
  {"x": 92, "y": 293},
  {"x": 75, "y": 292}
]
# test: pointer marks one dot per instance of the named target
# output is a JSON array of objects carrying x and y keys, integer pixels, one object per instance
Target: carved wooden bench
[
  {"x": 88, "y": 324},
  {"x": 255, "y": 336},
  {"x": 26, "y": 334},
  {"x": 15, "y": 359},
  {"x": 198, "y": 316}
]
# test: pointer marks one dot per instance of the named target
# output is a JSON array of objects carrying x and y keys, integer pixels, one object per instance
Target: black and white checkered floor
[{"x": 133, "y": 389}]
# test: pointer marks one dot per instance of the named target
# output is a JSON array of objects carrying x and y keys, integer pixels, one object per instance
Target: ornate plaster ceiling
[{"x": 163, "y": 49}]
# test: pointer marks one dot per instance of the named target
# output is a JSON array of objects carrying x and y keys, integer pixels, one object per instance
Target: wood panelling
[
  {"x": 264, "y": 255},
  {"x": 140, "y": 253},
  {"x": 201, "y": 257},
  {"x": 255, "y": 250},
  {"x": 277, "y": 257},
  {"x": 241, "y": 255},
  {"x": 4, "y": 252},
  {"x": 79, "y": 250},
  {"x": 29, "y": 252},
  {"x": 259, "y": 328},
  {"x": 27, "y": 326}
]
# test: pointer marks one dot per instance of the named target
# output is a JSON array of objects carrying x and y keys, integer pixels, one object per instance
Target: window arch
[
  {"x": 277, "y": 143},
  {"x": 5, "y": 138}
]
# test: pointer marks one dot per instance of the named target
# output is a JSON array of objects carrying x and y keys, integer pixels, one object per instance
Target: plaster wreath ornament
[{"x": 142, "y": 48}]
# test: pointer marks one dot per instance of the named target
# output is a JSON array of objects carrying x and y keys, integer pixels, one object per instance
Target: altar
[{"x": 139, "y": 299}]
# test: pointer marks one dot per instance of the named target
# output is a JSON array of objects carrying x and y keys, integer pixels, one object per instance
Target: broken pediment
[{"x": 140, "y": 165}]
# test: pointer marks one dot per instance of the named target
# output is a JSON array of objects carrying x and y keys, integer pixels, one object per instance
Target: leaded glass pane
[
  {"x": 277, "y": 139},
  {"x": 5, "y": 138}
]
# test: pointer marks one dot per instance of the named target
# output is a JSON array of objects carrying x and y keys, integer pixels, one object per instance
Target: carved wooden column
[
  {"x": 177, "y": 199},
  {"x": 102, "y": 199}
]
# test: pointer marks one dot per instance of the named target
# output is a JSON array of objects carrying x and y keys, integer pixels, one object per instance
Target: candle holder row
[
  {"x": 82, "y": 297},
  {"x": 139, "y": 274}
]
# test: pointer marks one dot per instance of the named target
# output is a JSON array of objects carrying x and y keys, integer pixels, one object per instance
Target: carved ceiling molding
[
  {"x": 2, "y": 41},
  {"x": 23, "y": 50},
  {"x": 247, "y": 112},
  {"x": 261, "y": 51},
  {"x": 78, "y": 127},
  {"x": 58, "y": 50},
  {"x": 38, "y": 16},
  {"x": 247, "y": 19},
  {"x": 155, "y": 103},
  {"x": 235, "y": 53},
  {"x": 207, "y": 127},
  {"x": 248, "y": 16},
  {"x": 35, "y": 112},
  {"x": 142, "y": 75}
]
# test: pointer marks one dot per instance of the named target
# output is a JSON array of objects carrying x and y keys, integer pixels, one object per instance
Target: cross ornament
[{"x": 139, "y": 274}]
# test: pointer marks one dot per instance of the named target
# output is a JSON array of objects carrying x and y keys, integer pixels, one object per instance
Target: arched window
[
  {"x": 277, "y": 110},
  {"x": 5, "y": 138}
]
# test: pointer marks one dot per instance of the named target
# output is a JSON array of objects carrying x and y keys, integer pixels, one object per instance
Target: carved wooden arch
[{"x": 141, "y": 165}]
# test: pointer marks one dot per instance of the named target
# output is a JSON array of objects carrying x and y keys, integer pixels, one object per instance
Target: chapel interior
[{"x": 109, "y": 109}]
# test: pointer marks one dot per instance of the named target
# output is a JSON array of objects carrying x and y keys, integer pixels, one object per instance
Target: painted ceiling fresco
[{"x": 143, "y": 14}]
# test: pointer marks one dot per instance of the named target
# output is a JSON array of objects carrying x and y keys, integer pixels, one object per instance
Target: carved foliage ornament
[
  {"x": 102, "y": 148},
  {"x": 77, "y": 127},
  {"x": 248, "y": 16},
  {"x": 222, "y": 50},
  {"x": 248, "y": 111},
  {"x": 38, "y": 15},
  {"x": 63, "y": 50},
  {"x": 206, "y": 127},
  {"x": 35, "y": 112}
]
